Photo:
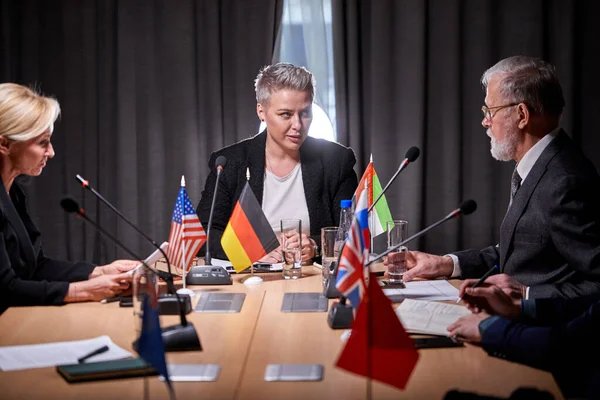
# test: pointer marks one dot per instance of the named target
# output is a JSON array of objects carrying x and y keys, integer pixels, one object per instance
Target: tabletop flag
[
  {"x": 187, "y": 234},
  {"x": 350, "y": 279},
  {"x": 248, "y": 236},
  {"x": 378, "y": 347},
  {"x": 150, "y": 345},
  {"x": 381, "y": 212}
]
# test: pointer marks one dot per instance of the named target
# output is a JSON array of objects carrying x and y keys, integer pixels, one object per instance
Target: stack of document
[
  {"x": 14, "y": 358},
  {"x": 429, "y": 317}
]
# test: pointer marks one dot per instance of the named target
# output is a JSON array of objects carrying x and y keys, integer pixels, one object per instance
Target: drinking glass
[
  {"x": 397, "y": 231},
  {"x": 291, "y": 247},
  {"x": 329, "y": 250}
]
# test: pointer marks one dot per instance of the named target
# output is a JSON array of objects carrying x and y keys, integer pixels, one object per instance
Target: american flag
[
  {"x": 187, "y": 234},
  {"x": 351, "y": 271}
]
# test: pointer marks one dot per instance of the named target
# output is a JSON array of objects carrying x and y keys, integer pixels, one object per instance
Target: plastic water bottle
[{"x": 346, "y": 215}]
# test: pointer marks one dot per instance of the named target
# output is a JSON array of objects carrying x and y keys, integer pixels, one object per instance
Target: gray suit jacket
[{"x": 550, "y": 236}]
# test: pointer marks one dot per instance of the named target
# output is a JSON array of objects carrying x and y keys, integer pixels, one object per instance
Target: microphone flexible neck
[
  {"x": 207, "y": 256},
  {"x": 413, "y": 237}
]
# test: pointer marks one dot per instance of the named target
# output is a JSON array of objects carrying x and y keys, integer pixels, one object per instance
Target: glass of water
[
  {"x": 397, "y": 231},
  {"x": 291, "y": 247},
  {"x": 329, "y": 250}
]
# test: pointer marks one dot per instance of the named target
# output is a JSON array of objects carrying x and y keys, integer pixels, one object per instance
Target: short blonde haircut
[{"x": 24, "y": 113}]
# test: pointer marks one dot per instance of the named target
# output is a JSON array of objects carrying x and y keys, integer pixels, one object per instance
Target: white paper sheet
[
  {"x": 429, "y": 317},
  {"x": 14, "y": 358},
  {"x": 425, "y": 290}
]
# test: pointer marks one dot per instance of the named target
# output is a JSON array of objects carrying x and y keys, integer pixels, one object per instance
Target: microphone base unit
[
  {"x": 178, "y": 338},
  {"x": 208, "y": 275},
  {"x": 181, "y": 338},
  {"x": 167, "y": 304},
  {"x": 330, "y": 291},
  {"x": 340, "y": 316}
]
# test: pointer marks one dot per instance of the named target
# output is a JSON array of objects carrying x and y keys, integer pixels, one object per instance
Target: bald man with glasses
[{"x": 550, "y": 237}]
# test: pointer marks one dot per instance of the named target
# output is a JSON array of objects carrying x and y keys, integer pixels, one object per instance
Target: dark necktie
[{"x": 515, "y": 184}]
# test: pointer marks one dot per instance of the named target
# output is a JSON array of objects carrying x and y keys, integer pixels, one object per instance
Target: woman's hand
[
  {"x": 308, "y": 245},
  {"x": 116, "y": 267},
  {"x": 96, "y": 289},
  {"x": 274, "y": 257}
]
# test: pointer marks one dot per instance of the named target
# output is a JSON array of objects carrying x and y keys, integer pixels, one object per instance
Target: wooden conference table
[{"x": 243, "y": 344}]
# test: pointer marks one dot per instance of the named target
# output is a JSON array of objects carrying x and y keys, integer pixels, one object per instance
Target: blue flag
[{"x": 150, "y": 345}]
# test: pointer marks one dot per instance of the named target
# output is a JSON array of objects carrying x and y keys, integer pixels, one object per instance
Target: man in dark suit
[
  {"x": 555, "y": 334},
  {"x": 550, "y": 236}
]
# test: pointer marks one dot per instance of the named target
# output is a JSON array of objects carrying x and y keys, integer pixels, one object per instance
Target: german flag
[{"x": 248, "y": 236}]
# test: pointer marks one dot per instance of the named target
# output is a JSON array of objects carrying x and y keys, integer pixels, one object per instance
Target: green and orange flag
[
  {"x": 380, "y": 215},
  {"x": 248, "y": 236}
]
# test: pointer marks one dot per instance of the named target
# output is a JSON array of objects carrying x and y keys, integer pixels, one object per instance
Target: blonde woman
[{"x": 27, "y": 276}]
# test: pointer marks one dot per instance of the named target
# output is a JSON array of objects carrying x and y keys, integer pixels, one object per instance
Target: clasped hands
[
  {"x": 498, "y": 295},
  {"x": 308, "y": 248}
]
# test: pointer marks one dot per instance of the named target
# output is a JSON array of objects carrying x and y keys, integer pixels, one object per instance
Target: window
[{"x": 306, "y": 39}]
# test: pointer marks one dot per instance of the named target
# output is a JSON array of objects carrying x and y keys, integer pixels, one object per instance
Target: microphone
[
  {"x": 411, "y": 155},
  {"x": 220, "y": 163},
  {"x": 182, "y": 337},
  {"x": 86, "y": 184},
  {"x": 465, "y": 208},
  {"x": 209, "y": 274}
]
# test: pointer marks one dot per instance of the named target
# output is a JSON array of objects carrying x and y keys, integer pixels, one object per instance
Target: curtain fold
[
  {"x": 148, "y": 90},
  {"x": 407, "y": 73}
]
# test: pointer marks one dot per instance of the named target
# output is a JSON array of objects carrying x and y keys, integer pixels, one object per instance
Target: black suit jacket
[
  {"x": 562, "y": 339},
  {"x": 550, "y": 236},
  {"x": 327, "y": 174},
  {"x": 27, "y": 277}
]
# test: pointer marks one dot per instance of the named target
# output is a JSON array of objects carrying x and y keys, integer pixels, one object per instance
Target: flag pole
[
  {"x": 184, "y": 289},
  {"x": 370, "y": 305},
  {"x": 250, "y": 279},
  {"x": 372, "y": 212}
]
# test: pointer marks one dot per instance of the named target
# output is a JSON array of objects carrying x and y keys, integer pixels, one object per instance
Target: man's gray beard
[{"x": 505, "y": 150}]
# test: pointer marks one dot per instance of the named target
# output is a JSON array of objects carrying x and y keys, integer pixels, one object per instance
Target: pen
[
  {"x": 480, "y": 281},
  {"x": 111, "y": 300},
  {"x": 101, "y": 350}
]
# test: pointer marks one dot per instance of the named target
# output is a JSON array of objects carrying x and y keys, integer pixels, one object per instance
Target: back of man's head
[{"x": 531, "y": 81}]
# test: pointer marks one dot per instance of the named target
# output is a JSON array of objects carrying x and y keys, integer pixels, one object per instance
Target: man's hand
[
  {"x": 511, "y": 287},
  {"x": 489, "y": 298},
  {"x": 427, "y": 266},
  {"x": 466, "y": 329}
]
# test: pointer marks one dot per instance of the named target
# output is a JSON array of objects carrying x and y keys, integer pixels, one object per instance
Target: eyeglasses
[{"x": 487, "y": 111}]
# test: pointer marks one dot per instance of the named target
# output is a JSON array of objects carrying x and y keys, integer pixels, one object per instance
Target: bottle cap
[{"x": 346, "y": 203}]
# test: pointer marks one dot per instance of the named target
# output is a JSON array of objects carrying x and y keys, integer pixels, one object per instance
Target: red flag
[{"x": 378, "y": 346}]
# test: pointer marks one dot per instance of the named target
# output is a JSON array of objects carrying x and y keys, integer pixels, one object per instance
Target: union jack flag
[
  {"x": 187, "y": 234},
  {"x": 350, "y": 280}
]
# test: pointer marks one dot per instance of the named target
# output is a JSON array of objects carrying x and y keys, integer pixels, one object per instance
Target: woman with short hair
[{"x": 291, "y": 174}]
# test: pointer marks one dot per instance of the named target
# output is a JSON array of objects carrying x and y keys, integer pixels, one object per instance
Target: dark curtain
[
  {"x": 407, "y": 74},
  {"x": 148, "y": 90}
]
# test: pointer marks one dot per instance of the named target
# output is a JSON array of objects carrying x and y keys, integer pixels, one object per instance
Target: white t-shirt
[{"x": 283, "y": 197}]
